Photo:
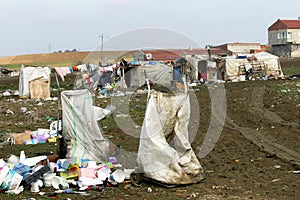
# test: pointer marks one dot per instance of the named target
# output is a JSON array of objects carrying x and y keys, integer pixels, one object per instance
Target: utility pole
[
  {"x": 49, "y": 47},
  {"x": 101, "y": 46}
]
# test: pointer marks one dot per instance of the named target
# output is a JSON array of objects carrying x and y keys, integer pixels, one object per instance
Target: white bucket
[{"x": 118, "y": 176}]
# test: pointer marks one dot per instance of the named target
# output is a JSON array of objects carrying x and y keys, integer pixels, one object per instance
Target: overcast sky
[{"x": 40, "y": 26}]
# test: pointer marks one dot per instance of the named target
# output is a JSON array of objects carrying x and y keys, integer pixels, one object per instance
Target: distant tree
[{"x": 74, "y": 50}]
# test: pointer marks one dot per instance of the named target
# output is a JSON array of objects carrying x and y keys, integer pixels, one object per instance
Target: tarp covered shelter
[
  {"x": 269, "y": 62},
  {"x": 28, "y": 74},
  {"x": 208, "y": 70},
  {"x": 156, "y": 72},
  {"x": 165, "y": 153},
  {"x": 202, "y": 67},
  {"x": 80, "y": 129}
]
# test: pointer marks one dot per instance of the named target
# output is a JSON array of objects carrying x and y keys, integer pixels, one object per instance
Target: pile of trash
[
  {"x": 40, "y": 135},
  {"x": 71, "y": 175}
]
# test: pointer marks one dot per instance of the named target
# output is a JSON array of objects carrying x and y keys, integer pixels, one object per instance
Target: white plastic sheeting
[
  {"x": 165, "y": 153},
  {"x": 101, "y": 113},
  {"x": 29, "y": 73},
  {"x": 271, "y": 62},
  {"x": 158, "y": 73},
  {"x": 80, "y": 128}
]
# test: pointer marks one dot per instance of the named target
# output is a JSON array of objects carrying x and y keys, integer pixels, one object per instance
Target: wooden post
[{"x": 123, "y": 77}]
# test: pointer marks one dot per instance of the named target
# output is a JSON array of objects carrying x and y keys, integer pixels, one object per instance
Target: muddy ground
[{"x": 255, "y": 156}]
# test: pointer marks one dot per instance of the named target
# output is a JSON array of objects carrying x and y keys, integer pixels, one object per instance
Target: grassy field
[
  {"x": 50, "y": 64},
  {"x": 59, "y": 59}
]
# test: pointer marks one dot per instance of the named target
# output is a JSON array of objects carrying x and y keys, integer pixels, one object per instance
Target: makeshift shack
[
  {"x": 259, "y": 64},
  {"x": 202, "y": 67},
  {"x": 34, "y": 82},
  {"x": 154, "y": 71},
  {"x": 208, "y": 70}
]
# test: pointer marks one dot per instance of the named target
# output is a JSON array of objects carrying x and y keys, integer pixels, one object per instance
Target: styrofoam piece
[
  {"x": 3, "y": 173},
  {"x": 13, "y": 159},
  {"x": 33, "y": 160}
]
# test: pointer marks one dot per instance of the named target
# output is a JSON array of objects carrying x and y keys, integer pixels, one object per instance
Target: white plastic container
[
  {"x": 48, "y": 179},
  {"x": 59, "y": 183},
  {"x": 118, "y": 176}
]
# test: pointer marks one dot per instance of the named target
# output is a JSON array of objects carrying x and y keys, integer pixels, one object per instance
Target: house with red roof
[
  {"x": 284, "y": 38},
  {"x": 172, "y": 54}
]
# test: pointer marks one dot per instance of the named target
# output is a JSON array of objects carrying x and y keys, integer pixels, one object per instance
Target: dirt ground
[{"x": 255, "y": 157}]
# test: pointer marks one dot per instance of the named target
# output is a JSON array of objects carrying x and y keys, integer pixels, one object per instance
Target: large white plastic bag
[
  {"x": 80, "y": 127},
  {"x": 165, "y": 153}
]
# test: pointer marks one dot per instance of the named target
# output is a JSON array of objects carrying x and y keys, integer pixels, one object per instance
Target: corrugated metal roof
[{"x": 285, "y": 24}]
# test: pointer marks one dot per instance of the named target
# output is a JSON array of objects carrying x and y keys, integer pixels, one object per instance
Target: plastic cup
[
  {"x": 35, "y": 187},
  {"x": 59, "y": 183},
  {"x": 103, "y": 172},
  {"x": 118, "y": 176}
]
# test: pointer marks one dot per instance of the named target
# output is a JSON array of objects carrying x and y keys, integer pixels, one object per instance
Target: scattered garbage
[
  {"x": 38, "y": 136},
  {"x": 23, "y": 109},
  {"x": 59, "y": 182},
  {"x": 70, "y": 176},
  {"x": 9, "y": 112},
  {"x": 149, "y": 189},
  {"x": 277, "y": 167},
  {"x": 6, "y": 93}
]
